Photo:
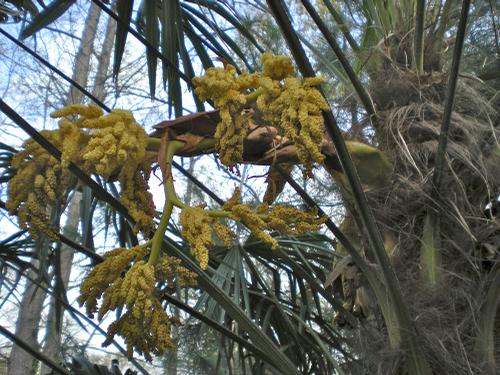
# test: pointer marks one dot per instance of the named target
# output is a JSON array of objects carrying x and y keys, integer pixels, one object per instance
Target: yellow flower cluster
[
  {"x": 110, "y": 145},
  {"x": 276, "y": 67},
  {"x": 138, "y": 200},
  {"x": 292, "y": 105},
  {"x": 106, "y": 273},
  {"x": 197, "y": 226},
  {"x": 227, "y": 90},
  {"x": 86, "y": 111},
  {"x": 197, "y": 231},
  {"x": 117, "y": 146},
  {"x": 284, "y": 219},
  {"x": 170, "y": 270},
  {"x": 297, "y": 111},
  {"x": 254, "y": 222},
  {"x": 116, "y": 142},
  {"x": 146, "y": 333},
  {"x": 290, "y": 220},
  {"x": 39, "y": 185},
  {"x": 145, "y": 326}
]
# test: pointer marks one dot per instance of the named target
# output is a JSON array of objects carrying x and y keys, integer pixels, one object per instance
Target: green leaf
[
  {"x": 197, "y": 43},
  {"x": 152, "y": 35},
  {"x": 216, "y": 7},
  {"x": 171, "y": 39},
  {"x": 220, "y": 33},
  {"x": 429, "y": 251},
  {"x": 215, "y": 46},
  {"x": 124, "y": 9},
  {"x": 47, "y": 16},
  {"x": 235, "y": 312}
]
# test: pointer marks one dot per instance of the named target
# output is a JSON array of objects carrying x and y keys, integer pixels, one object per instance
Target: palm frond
[
  {"x": 52, "y": 12},
  {"x": 353, "y": 77}
]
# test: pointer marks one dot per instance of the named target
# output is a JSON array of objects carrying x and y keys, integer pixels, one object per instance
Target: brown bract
[{"x": 262, "y": 146}]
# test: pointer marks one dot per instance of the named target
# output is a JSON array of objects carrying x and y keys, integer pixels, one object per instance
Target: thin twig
[{"x": 54, "y": 69}]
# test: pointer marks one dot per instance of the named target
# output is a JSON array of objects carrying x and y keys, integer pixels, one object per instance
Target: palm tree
[{"x": 411, "y": 283}]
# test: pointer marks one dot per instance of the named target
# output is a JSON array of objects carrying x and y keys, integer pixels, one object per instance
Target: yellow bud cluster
[
  {"x": 73, "y": 139},
  {"x": 254, "y": 222},
  {"x": 290, "y": 220},
  {"x": 292, "y": 105},
  {"x": 297, "y": 111},
  {"x": 105, "y": 274},
  {"x": 146, "y": 336},
  {"x": 116, "y": 142},
  {"x": 39, "y": 184},
  {"x": 86, "y": 111},
  {"x": 116, "y": 145},
  {"x": 170, "y": 270},
  {"x": 233, "y": 201},
  {"x": 138, "y": 200},
  {"x": 145, "y": 326},
  {"x": 223, "y": 232},
  {"x": 284, "y": 219},
  {"x": 110, "y": 145},
  {"x": 227, "y": 90},
  {"x": 197, "y": 230},
  {"x": 276, "y": 67}
]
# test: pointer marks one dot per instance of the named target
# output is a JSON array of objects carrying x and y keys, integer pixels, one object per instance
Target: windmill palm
[{"x": 415, "y": 244}]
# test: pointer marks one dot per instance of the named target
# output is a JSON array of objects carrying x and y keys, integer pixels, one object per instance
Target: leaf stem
[{"x": 254, "y": 95}]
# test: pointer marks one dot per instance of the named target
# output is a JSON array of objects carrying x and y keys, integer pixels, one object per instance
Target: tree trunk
[
  {"x": 30, "y": 309},
  {"x": 52, "y": 345},
  {"x": 82, "y": 60},
  {"x": 104, "y": 59}
]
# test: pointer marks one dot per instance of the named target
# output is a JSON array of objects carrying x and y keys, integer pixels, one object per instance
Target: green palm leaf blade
[
  {"x": 55, "y": 10},
  {"x": 152, "y": 33},
  {"x": 124, "y": 9},
  {"x": 220, "y": 33},
  {"x": 171, "y": 36},
  {"x": 235, "y": 312},
  {"x": 216, "y": 7},
  {"x": 197, "y": 43},
  {"x": 211, "y": 42}
]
